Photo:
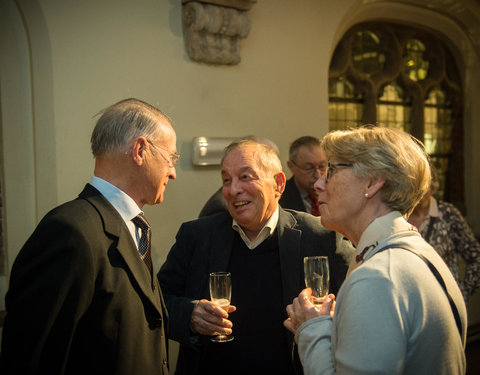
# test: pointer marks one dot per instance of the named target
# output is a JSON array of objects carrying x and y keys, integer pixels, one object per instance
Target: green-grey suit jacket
[{"x": 81, "y": 301}]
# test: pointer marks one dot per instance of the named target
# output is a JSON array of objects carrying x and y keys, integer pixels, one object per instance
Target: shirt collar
[
  {"x": 122, "y": 202},
  {"x": 383, "y": 227},
  {"x": 264, "y": 233},
  {"x": 433, "y": 209},
  {"x": 379, "y": 229}
]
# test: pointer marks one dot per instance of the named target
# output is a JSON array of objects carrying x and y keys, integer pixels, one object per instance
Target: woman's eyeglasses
[{"x": 331, "y": 169}]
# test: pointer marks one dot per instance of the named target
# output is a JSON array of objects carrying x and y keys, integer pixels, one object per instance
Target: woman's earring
[{"x": 366, "y": 195}]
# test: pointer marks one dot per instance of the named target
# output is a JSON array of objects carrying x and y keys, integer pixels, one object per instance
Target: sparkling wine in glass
[
  {"x": 220, "y": 294},
  {"x": 316, "y": 277}
]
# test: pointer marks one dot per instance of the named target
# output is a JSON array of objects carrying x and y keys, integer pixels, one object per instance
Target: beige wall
[
  {"x": 86, "y": 55},
  {"x": 101, "y": 52}
]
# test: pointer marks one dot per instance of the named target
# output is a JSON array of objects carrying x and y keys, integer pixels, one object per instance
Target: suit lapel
[
  {"x": 291, "y": 197},
  {"x": 115, "y": 226},
  {"x": 222, "y": 248},
  {"x": 291, "y": 260}
]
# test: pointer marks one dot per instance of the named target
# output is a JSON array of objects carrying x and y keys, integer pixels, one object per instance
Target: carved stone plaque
[{"x": 213, "y": 29}]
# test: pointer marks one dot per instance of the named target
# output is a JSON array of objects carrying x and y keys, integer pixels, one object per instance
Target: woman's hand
[{"x": 302, "y": 309}]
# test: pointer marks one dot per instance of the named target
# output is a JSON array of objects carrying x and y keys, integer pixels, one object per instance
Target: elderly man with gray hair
[
  {"x": 83, "y": 297},
  {"x": 262, "y": 246}
]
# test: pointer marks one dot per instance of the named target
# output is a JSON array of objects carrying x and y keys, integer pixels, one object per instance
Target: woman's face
[{"x": 341, "y": 199}]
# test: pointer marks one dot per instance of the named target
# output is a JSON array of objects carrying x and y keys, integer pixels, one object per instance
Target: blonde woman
[{"x": 391, "y": 315}]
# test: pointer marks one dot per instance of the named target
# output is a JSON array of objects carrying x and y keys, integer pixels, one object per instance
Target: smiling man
[{"x": 262, "y": 246}]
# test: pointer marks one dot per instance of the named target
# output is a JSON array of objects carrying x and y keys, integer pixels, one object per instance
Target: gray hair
[
  {"x": 384, "y": 152},
  {"x": 124, "y": 121},
  {"x": 307, "y": 141},
  {"x": 264, "y": 140},
  {"x": 267, "y": 158}
]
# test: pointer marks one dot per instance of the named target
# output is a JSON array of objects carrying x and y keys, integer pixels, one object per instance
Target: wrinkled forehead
[{"x": 240, "y": 159}]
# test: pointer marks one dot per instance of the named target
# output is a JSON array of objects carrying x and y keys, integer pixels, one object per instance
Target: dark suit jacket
[
  {"x": 204, "y": 245},
  {"x": 81, "y": 301},
  {"x": 291, "y": 197}
]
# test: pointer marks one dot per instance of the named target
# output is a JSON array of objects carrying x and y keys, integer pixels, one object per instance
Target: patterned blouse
[{"x": 449, "y": 234}]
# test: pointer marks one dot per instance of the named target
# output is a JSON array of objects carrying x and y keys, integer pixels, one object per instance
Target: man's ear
[
  {"x": 280, "y": 180},
  {"x": 139, "y": 148}
]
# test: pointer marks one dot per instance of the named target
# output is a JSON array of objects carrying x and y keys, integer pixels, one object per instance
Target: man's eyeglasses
[
  {"x": 331, "y": 169},
  {"x": 172, "y": 157},
  {"x": 312, "y": 169}
]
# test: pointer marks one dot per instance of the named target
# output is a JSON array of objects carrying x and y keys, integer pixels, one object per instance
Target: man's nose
[
  {"x": 319, "y": 172},
  {"x": 173, "y": 173},
  {"x": 235, "y": 187}
]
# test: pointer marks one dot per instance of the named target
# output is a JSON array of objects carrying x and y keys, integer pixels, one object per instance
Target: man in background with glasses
[
  {"x": 307, "y": 162},
  {"x": 83, "y": 297}
]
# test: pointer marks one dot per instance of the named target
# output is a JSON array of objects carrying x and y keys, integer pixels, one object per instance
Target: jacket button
[{"x": 164, "y": 361}]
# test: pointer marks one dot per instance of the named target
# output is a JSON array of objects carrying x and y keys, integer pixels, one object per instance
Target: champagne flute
[
  {"x": 316, "y": 277},
  {"x": 220, "y": 294}
]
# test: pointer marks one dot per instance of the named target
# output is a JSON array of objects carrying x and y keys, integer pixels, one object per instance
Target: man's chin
[{"x": 242, "y": 219}]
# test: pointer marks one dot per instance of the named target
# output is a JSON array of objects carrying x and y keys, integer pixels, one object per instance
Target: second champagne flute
[
  {"x": 317, "y": 277},
  {"x": 220, "y": 294}
]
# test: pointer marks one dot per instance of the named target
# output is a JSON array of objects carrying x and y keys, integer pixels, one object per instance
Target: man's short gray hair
[
  {"x": 124, "y": 121},
  {"x": 267, "y": 158},
  {"x": 307, "y": 141}
]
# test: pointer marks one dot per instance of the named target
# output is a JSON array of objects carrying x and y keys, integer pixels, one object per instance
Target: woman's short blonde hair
[{"x": 384, "y": 152}]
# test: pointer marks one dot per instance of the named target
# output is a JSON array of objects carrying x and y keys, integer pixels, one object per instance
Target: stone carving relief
[{"x": 213, "y": 29}]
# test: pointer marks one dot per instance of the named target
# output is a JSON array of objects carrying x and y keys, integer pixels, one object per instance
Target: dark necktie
[
  {"x": 314, "y": 202},
  {"x": 144, "y": 246}
]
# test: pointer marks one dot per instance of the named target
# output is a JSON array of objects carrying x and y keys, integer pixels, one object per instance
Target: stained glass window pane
[
  {"x": 367, "y": 54},
  {"x": 414, "y": 63},
  {"x": 345, "y": 109},
  {"x": 392, "y": 110},
  {"x": 438, "y": 131}
]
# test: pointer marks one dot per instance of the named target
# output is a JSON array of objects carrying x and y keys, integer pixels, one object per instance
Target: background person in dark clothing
[{"x": 307, "y": 162}]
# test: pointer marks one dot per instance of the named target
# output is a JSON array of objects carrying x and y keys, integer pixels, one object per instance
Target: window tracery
[{"x": 403, "y": 77}]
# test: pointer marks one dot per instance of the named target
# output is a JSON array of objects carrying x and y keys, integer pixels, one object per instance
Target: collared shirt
[
  {"x": 122, "y": 202},
  {"x": 432, "y": 212},
  {"x": 380, "y": 228},
  {"x": 266, "y": 231}
]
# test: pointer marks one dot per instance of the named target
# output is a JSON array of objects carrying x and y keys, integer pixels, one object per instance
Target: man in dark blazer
[
  {"x": 307, "y": 162},
  {"x": 83, "y": 298},
  {"x": 262, "y": 246}
]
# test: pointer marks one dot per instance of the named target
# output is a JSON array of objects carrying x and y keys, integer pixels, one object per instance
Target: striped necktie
[{"x": 144, "y": 245}]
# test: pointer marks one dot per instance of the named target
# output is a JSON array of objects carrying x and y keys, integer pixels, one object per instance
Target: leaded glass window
[
  {"x": 403, "y": 77},
  {"x": 393, "y": 109},
  {"x": 345, "y": 107},
  {"x": 415, "y": 65}
]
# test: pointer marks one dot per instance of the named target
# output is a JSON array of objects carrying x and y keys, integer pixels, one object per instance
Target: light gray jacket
[{"x": 391, "y": 316}]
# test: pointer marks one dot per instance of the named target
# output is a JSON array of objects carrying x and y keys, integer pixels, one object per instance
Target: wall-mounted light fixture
[{"x": 209, "y": 150}]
